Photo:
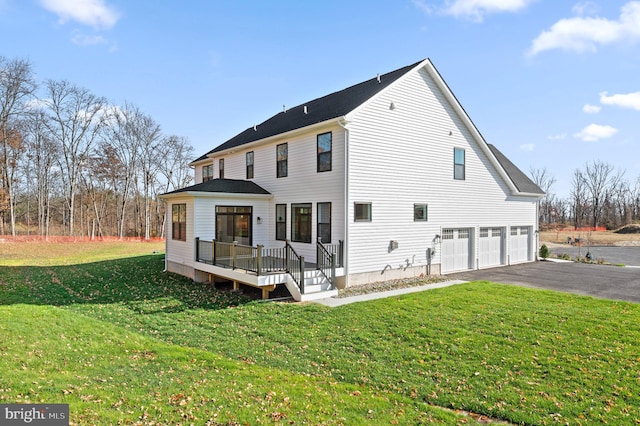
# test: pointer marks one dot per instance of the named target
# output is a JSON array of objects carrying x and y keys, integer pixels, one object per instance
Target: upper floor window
[
  {"x": 250, "y": 165},
  {"x": 179, "y": 222},
  {"x": 207, "y": 172},
  {"x": 324, "y": 152},
  {"x": 458, "y": 164},
  {"x": 221, "y": 168},
  {"x": 282, "y": 160},
  {"x": 362, "y": 212}
]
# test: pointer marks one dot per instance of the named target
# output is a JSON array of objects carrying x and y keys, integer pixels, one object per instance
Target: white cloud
[
  {"x": 94, "y": 13},
  {"x": 591, "y": 109},
  {"x": 582, "y": 34},
  {"x": 87, "y": 40},
  {"x": 474, "y": 9},
  {"x": 527, "y": 147},
  {"x": 628, "y": 100},
  {"x": 595, "y": 132},
  {"x": 585, "y": 8},
  {"x": 477, "y": 9},
  {"x": 558, "y": 137}
]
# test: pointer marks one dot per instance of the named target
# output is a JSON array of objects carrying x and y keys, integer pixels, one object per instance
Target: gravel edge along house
[{"x": 385, "y": 179}]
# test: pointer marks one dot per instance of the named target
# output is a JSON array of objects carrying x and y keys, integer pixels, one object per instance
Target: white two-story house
[{"x": 385, "y": 179}]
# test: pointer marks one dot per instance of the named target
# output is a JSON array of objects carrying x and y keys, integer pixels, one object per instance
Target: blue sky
[{"x": 553, "y": 84}]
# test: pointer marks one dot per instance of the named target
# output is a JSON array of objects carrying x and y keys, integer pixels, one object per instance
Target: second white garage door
[
  {"x": 456, "y": 250},
  {"x": 491, "y": 247}
]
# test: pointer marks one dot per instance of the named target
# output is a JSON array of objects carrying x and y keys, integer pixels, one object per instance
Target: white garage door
[
  {"x": 490, "y": 247},
  {"x": 456, "y": 250},
  {"x": 520, "y": 244}
]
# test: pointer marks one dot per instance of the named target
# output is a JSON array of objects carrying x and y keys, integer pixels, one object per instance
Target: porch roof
[{"x": 222, "y": 186}]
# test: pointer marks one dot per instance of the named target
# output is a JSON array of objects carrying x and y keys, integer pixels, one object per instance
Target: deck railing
[
  {"x": 258, "y": 260},
  {"x": 326, "y": 263}
]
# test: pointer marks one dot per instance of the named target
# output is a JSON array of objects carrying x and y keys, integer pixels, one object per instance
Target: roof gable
[{"x": 325, "y": 108}]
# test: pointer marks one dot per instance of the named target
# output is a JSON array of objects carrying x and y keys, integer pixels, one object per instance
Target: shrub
[{"x": 544, "y": 251}]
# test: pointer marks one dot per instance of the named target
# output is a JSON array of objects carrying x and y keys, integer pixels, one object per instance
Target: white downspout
[{"x": 343, "y": 123}]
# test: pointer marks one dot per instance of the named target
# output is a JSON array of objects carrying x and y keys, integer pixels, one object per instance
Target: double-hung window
[
  {"x": 458, "y": 164},
  {"x": 324, "y": 222},
  {"x": 221, "y": 168},
  {"x": 282, "y": 153},
  {"x": 179, "y": 222},
  {"x": 301, "y": 222},
  {"x": 281, "y": 222},
  {"x": 250, "y": 165},
  {"x": 207, "y": 172},
  {"x": 324, "y": 152}
]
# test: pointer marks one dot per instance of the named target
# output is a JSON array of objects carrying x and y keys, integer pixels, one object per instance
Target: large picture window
[
  {"x": 324, "y": 152},
  {"x": 179, "y": 222},
  {"x": 281, "y": 222},
  {"x": 324, "y": 222},
  {"x": 282, "y": 152},
  {"x": 207, "y": 172},
  {"x": 458, "y": 164},
  {"x": 301, "y": 223},
  {"x": 221, "y": 168},
  {"x": 250, "y": 165}
]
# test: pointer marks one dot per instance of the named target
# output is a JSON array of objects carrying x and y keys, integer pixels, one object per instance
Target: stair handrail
[
  {"x": 295, "y": 266},
  {"x": 326, "y": 263}
]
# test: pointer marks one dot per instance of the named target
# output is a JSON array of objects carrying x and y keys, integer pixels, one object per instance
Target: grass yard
[{"x": 122, "y": 342}]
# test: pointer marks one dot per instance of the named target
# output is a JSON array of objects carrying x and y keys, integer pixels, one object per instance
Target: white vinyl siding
[{"x": 402, "y": 155}]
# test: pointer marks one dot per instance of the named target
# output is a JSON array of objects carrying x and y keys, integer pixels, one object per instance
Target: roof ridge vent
[
  {"x": 284, "y": 108},
  {"x": 378, "y": 78},
  {"x": 304, "y": 109}
]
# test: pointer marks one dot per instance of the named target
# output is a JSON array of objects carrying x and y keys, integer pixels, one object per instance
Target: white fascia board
[{"x": 286, "y": 135}]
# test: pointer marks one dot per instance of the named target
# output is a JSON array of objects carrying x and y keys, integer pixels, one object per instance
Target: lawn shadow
[{"x": 137, "y": 281}]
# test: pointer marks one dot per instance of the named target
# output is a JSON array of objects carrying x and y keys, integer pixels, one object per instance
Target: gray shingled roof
[
  {"x": 228, "y": 186},
  {"x": 519, "y": 179},
  {"x": 334, "y": 105}
]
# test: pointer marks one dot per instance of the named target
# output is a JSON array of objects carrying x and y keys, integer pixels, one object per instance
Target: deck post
[
  {"x": 213, "y": 252},
  {"x": 333, "y": 271},
  {"x": 233, "y": 255},
  {"x": 197, "y": 249},
  {"x": 341, "y": 253},
  {"x": 259, "y": 260}
]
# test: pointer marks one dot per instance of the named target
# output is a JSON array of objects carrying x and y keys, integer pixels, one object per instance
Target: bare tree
[
  {"x": 599, "y": 180},
  {"x": 578, "y": 198},
  {"x": 16, "y": 86},
  {"x": 149, "y": 138},
  {"x": 75, "y": 120},
  {"x": 544, "y": 180},
  {"x": 42, "y": 154}
]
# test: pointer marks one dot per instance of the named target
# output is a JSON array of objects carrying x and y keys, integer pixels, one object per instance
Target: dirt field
[{"x": 605, "y": 238}]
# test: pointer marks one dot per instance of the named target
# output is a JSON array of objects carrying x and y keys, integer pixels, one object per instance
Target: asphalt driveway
[{"x": 603, "y": 281}]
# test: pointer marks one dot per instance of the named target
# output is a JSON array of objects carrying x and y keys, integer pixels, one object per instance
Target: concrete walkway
[{"x": 333, "y": 302}]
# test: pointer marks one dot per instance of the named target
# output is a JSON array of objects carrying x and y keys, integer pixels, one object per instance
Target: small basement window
[
  {"x": 362, "y": 212},
  {"x": 420, "y": 213}
]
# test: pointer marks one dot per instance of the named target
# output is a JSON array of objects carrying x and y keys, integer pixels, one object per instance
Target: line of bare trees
[
  {"x": 600, "y": 196},
  {"x": 73, "y": 164}
]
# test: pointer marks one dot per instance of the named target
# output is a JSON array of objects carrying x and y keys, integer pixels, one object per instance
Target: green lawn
[{"x": 120, "y": 340}]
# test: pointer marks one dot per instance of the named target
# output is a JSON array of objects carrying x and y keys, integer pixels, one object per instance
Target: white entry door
[
  {"x": 490, "y": 247},
  {"x": 456, "y": 250}
]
